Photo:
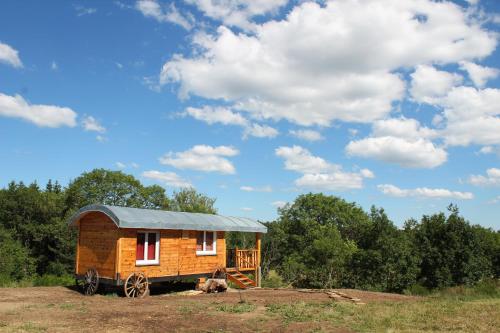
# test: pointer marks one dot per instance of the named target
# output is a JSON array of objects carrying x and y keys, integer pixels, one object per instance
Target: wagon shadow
[{"x": 156, "y": 289}]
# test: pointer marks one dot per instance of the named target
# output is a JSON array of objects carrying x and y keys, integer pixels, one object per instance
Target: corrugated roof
[{"x": 126, "y": 217}]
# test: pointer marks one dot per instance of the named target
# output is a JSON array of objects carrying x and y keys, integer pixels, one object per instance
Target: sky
[{"x": 392, "y": 103}]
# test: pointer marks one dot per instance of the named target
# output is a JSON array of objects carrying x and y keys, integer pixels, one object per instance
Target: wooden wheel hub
[{"x": 136, "y": 285}]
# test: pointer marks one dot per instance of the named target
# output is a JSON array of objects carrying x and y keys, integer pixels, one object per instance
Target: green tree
[
  {"x": 189, "y": 200},
  {"x": 15, "y": 261},
  {"x": 317, "y": 239},
  {"x": 386, "y": 259},
  {"x": 115, "y": 188},
  {"x": 451, "y": 250}
]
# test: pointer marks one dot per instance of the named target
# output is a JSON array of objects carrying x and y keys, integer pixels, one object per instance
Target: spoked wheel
[
  {"x": 90, "y": 282},
  {"x": 137, "y": 285}
]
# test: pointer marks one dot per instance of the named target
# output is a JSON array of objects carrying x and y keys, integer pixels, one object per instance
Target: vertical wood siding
[{"x": 97, "y": 245}]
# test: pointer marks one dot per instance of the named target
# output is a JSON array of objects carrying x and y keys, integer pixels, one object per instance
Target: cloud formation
[
  {"x": 424, "y": 192},
  {"x": 203, "y": 158},
  {"x": 317, "y": 173},
  {"x": 492, "y": 178},
  {"x": 167, "y": 178},
  {"x": 89, "y": 123},
  {"x": 10, "y": 56},
  {"x": 311, "y": 68},
  {"x": 400, "y": 141},
  {"x": 38, "y": 114},
  {"x": 163, "y": 13}
]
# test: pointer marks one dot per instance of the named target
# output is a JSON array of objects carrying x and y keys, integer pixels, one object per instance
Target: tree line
[{"x": 317, "y": 241}]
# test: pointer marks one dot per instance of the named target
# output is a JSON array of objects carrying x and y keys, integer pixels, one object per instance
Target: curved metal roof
[{"x": 125, "y": 217}]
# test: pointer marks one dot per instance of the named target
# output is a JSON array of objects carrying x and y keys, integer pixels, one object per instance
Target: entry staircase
[{"x": 240, "y": 279}]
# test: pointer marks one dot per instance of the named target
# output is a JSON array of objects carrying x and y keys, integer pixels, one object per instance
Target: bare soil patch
[{"x": 60, "y": 309}]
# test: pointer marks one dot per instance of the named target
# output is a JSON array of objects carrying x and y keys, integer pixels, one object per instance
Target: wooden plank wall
[
  {"x": 169, "y": 242},
  {"x": 97, "y": 245},
  {"x": 190, "y": 263},
  {"x": 177, "y": 255}
]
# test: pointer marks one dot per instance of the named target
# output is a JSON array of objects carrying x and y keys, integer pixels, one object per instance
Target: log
[{"x": 214, "y": 286}]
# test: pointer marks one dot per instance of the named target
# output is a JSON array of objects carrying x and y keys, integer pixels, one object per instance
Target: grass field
[{"x": 59, "y": 309}]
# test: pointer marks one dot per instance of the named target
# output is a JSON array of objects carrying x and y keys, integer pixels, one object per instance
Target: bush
[
  {"x": 273, "y": 280},
  {"x": 417, "y": 290},
  {"x": 53, "y": 280}
]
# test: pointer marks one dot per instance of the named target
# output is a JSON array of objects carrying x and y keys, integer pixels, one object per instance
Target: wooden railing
[{"x": 242, "y": 259}]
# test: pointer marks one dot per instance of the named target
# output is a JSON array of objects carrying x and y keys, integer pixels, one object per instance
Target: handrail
[{"x": 245, "y": 259}]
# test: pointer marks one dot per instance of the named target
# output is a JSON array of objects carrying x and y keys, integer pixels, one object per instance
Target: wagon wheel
[
  {"x": 90, "y": 282},
  {"x": 137, "y": 285},
  {"x": 219, "y": 273}
]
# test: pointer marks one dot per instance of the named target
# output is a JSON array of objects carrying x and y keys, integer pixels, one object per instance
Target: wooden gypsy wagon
[{"x": 133, "y": 247}]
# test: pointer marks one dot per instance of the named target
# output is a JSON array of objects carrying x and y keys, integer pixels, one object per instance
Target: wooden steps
[{"x": 240, "y": 279}]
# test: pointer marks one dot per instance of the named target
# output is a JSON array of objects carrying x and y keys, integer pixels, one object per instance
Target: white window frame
[
  {"x": 154, "y": 261},
  {"x": 204, "y": 252}
]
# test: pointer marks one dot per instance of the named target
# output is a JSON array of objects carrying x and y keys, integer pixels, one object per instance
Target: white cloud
[
  {"x": 301, "y": 160},
  {"x": 319, "y": 174},
  {"x": 402, "y": 128},
  {"x": 279, "y": 204},
  {"x": 489, "y": 150},
  {"x": 203, "y": 158},
  {"x": 429, "y": 84},
  {"x": 81, "y": 10},
  {"x": 237, "y": 12},
  {"x": 260, "y": 131},
  {"x": 266, "y": 188},
  {"x": 54, "y": 66},
  {"x": 9, "y": 56},
  {"x": 119, "y": 65},
  {"x": 38, "y": 114},
  {"x": 492, "y": 178},
  {"x": 479, "y": 74},
  {"x": 472, "y": 116},
  {"x": 168, "y": 178},
  {"x": 153, "y": 9},
  {"x": 400, "y": 141},
  {"x": 367, "y": 173},
  {"x": 246, "y": 209},
  {"x": 225, "y": 116},
  {"x": 424, "y": 192},
  {"x": 494, "y": 200},
  {"x": 312, "y": 67},
  {"x": 101, "y": 138},
  {"x": 308, "y": 135},
  {"x": 89, "y": 123},
  {"x": 212, "y": 115},
  {"x": 120, "y": 165},
  {"x": 418, "y": 153}
]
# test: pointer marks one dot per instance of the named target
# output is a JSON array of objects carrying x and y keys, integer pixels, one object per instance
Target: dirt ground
[{"x": 61, "y": 309}]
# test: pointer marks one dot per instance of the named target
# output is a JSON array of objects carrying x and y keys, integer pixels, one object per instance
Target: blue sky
[{"x": 391, "y": 103}]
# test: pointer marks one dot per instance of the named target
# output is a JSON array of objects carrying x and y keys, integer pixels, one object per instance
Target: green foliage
[
  {"x": 318, "y": 241},
  {"x": 114, "y": 188},
  {"x": 452, "y": 251},
  {"x": 188, "y": 200},
  {"x": 273, "y": 280},
  {"x": 53, "y": 280},
  {"x": 15, "y": 260}
]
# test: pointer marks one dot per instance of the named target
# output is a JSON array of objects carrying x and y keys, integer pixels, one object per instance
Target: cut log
[{"x": 214, "y": 286}]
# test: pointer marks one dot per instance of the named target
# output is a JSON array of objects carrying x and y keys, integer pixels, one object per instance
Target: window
[
  {"x": 148, "y": 248},
  {"x": 206, "y": 242}
]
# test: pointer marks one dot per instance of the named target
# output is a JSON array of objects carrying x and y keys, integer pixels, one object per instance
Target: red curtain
[
  {"x": 151, "y": 246},
  {"x": 210, "y": 241},
  {"x": 140, "y": 246},
  {"x": 199, "y": 241}
]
